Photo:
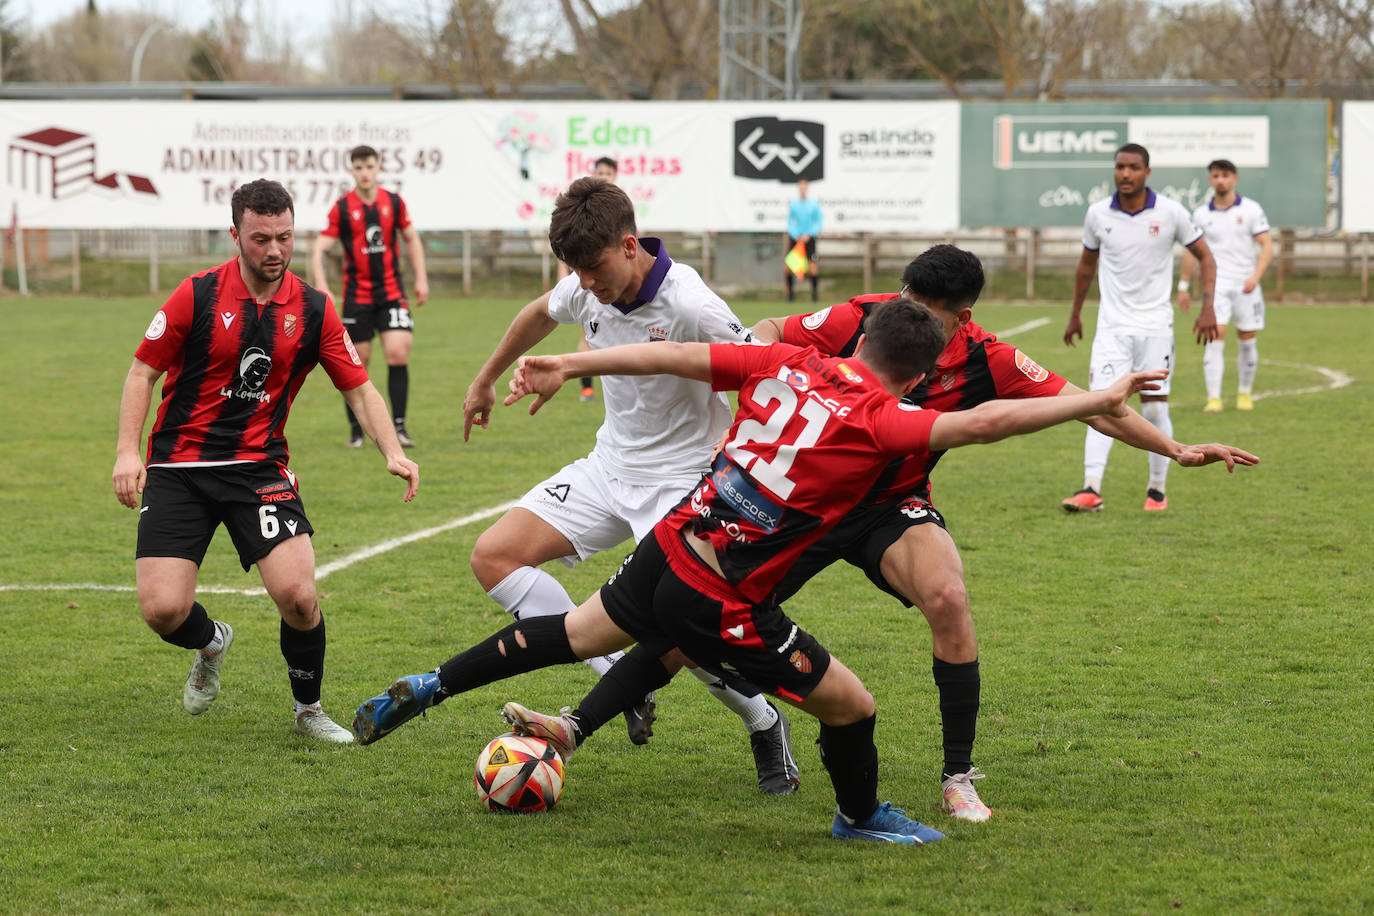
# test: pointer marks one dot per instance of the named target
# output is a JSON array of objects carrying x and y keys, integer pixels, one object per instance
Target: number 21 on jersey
[{"x": 772, "y": 472}]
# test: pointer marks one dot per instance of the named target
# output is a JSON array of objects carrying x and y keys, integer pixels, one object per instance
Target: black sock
[
  {"x": 790, "y": 283},
  {"x": 354, "y": 426},
  {"x": 304, "y": 654},
  {"x": 959, "y": 686},
  {"x": 586, "y": 381},
  {"x": 546, "y": 643},
  {"x": 195, "y": 632},
  {"x": 398, "y": 388},
  {"x": 626, "y": 684},
  {"x": 815, "y": 287},
  {"x": 851, "y": 759}
]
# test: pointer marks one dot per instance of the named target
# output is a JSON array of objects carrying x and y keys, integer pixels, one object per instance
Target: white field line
[
  {"x": 1334, "y": 379},
  {"x": 1023, "y": 328},
  {"x": 344, "y": 562}
]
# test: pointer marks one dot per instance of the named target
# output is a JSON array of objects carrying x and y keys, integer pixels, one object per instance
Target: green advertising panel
[{"x": 1042, "y": 164}]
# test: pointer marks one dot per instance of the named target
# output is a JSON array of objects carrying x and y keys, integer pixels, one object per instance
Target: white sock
[
  {"x": 216, "y": 644},
  {"x": 530, "y": 592},
  {"x": 302, "y": 707},
  {"x": 1157, "y": 412},
  {"x": 1213, "y": 367},
  {"x": 1247, "y": 361},
  {"x": 602, "y": 663},
  {"x": 1096, "y": 447},
  {"x": 753, "y": 711}
]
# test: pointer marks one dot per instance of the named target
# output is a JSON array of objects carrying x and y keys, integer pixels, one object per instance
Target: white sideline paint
[
  {"x": 1334, "y": 379},
  {"x": 1023, "y": 328},
  {"x": 344, "y": 562}
]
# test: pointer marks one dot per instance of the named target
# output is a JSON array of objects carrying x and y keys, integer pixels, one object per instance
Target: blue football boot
[
  {"x": 402, "y": 701},
  {"x": 888, "y": 825}
]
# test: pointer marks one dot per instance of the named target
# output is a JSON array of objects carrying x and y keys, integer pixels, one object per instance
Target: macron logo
[
  {"x": 227, "y": 318},
  {"x": 736, "y": 631}
]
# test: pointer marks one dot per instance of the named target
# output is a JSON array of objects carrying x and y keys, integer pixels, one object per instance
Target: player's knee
[
  {"x": 299, "y": 605},
  {"x": 945, "y": 603},
  {"x": 162, "y": 614},
  {"x": 489, "y": 563}
]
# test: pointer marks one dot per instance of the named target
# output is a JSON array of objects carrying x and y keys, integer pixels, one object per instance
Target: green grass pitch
[{"x": 1176, "y": 708}]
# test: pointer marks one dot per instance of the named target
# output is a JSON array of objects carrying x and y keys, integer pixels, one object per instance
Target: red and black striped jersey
[
  {"x": 371, "y": 235},
  {"x": 810, "y": 438},
  {"x": 233, "y": 366},
  {"x": 974, "y": 367}
]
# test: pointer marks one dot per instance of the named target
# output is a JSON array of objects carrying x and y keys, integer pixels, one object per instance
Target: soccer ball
[{"x": 516, "y": 773}]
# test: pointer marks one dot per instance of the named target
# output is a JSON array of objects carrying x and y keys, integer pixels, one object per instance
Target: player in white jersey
[
  {"x": 1128, "y": 240},
  {"x": 653, "y": 448},
  {"x": 1232, "y": 226}
]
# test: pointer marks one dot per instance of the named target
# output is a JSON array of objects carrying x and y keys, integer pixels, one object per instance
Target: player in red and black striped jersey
[
  {"x": 898, "y": 538},
  {"x": 810, "y": 437},
  {"x": 370, "y": 222},
  {"x": 236, "y": 343}
]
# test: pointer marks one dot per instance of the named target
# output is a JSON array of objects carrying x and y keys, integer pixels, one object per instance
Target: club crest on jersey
[
  {"x": 1154, "y": 228},
  {"x": 157, "y": 327},
  {"x": 288, "y": 325},
  {"x": 816, "y": 319},
  {"x": 227, "y": 318},
  {"x": 657, "y": 334},
  {"x": 1030, "y": 368},
  {"x": 849, "y": 373},
  {"x": 800, "y": 662},
  {"x": 947, "y": 380}
]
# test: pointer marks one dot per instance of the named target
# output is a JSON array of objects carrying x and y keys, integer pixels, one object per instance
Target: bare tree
[{"x": 660, "y": 45}]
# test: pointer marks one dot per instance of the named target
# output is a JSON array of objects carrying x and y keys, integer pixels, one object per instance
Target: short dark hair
[
  {"x": 944, "y": 274},
  {"x": 903, "y": 339},
  {"x": 1222, "y": 165},
  {"x": 607, "y": 160},
  {"x": 589, "y": 217},
  {"x": 1136, "y": 148},
  {"x": 263, "y": 196},
  {"x": 361, "y": 152}
]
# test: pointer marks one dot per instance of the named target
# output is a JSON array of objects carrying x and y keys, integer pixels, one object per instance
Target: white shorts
[
  {"x": 1117, "y": 355},
  {"x": 587, "y": 504},
  {"x": 1234, "y": 306}
]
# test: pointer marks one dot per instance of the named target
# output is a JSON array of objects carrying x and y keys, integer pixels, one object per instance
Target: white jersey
[
  {"x": 656, "y": 426},
  {"x": 1135, "y": 270},
  {"x": 1231, "y": 235}
]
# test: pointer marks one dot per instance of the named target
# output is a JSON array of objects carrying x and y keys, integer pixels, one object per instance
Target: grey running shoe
[
  {"x": 777, "y": 768},
  {"x": 640, "y": 719},
  {"x": 404, "y": 438},
  {"x": 313, "y": 723},
  {"x": 202, "y": 684}
]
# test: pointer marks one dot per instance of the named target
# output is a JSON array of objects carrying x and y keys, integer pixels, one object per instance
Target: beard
[{"x": 270, "y": 273}]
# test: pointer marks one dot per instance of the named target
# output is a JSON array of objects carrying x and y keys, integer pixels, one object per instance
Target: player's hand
[
  {"x": 477, "y": 405},
  {"x": 1128, "y": 385},
  {"x": 1205, "y": 328},
  {"x": 129, "y": 476},
  {"x": 421, "y": 292},
  {"x": 1074, "y": 329},
  {"x": 538, "y": 375},
  {"x": 1249, "y": 285},
  {"x": 719, "y": 446},
  {"x": 1195, "y": 456},
  {"x": 408, "y": 471},
  {"x": 1185, "y": 301}
]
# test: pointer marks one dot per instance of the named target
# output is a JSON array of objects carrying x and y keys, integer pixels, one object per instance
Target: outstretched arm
[
  {"x": 530, "y": 326},
  {"x": 1134, "y": 430},
  {"x": 995, "y": 420},
  {"x": 544, "y": 375}
]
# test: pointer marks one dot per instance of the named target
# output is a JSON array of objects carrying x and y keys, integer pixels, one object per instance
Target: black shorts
[
  {"x": 363, "y": 320},
  {"x": 860, "y": 539},
  {"x": 182, "y": 507},
  {"x": 810, "y": 246},
  {"x": 751, "y": 646}
]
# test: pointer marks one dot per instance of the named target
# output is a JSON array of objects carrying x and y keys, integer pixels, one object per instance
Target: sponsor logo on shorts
[
  {"x": 816, "y": 319},
  {"x": 157, "y": 327},
  {"x": 737, "y": 631},
  {"x": 284, "y": 496},
  {"x": 559, "y": 491},
  {"x": 1030, "y": 368},
  {"x": 292, "y": 525},
  {"x": 272, "y": 487},
  {"x": 801, "y": 662},
  {"x": 917, "y": 509}
]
